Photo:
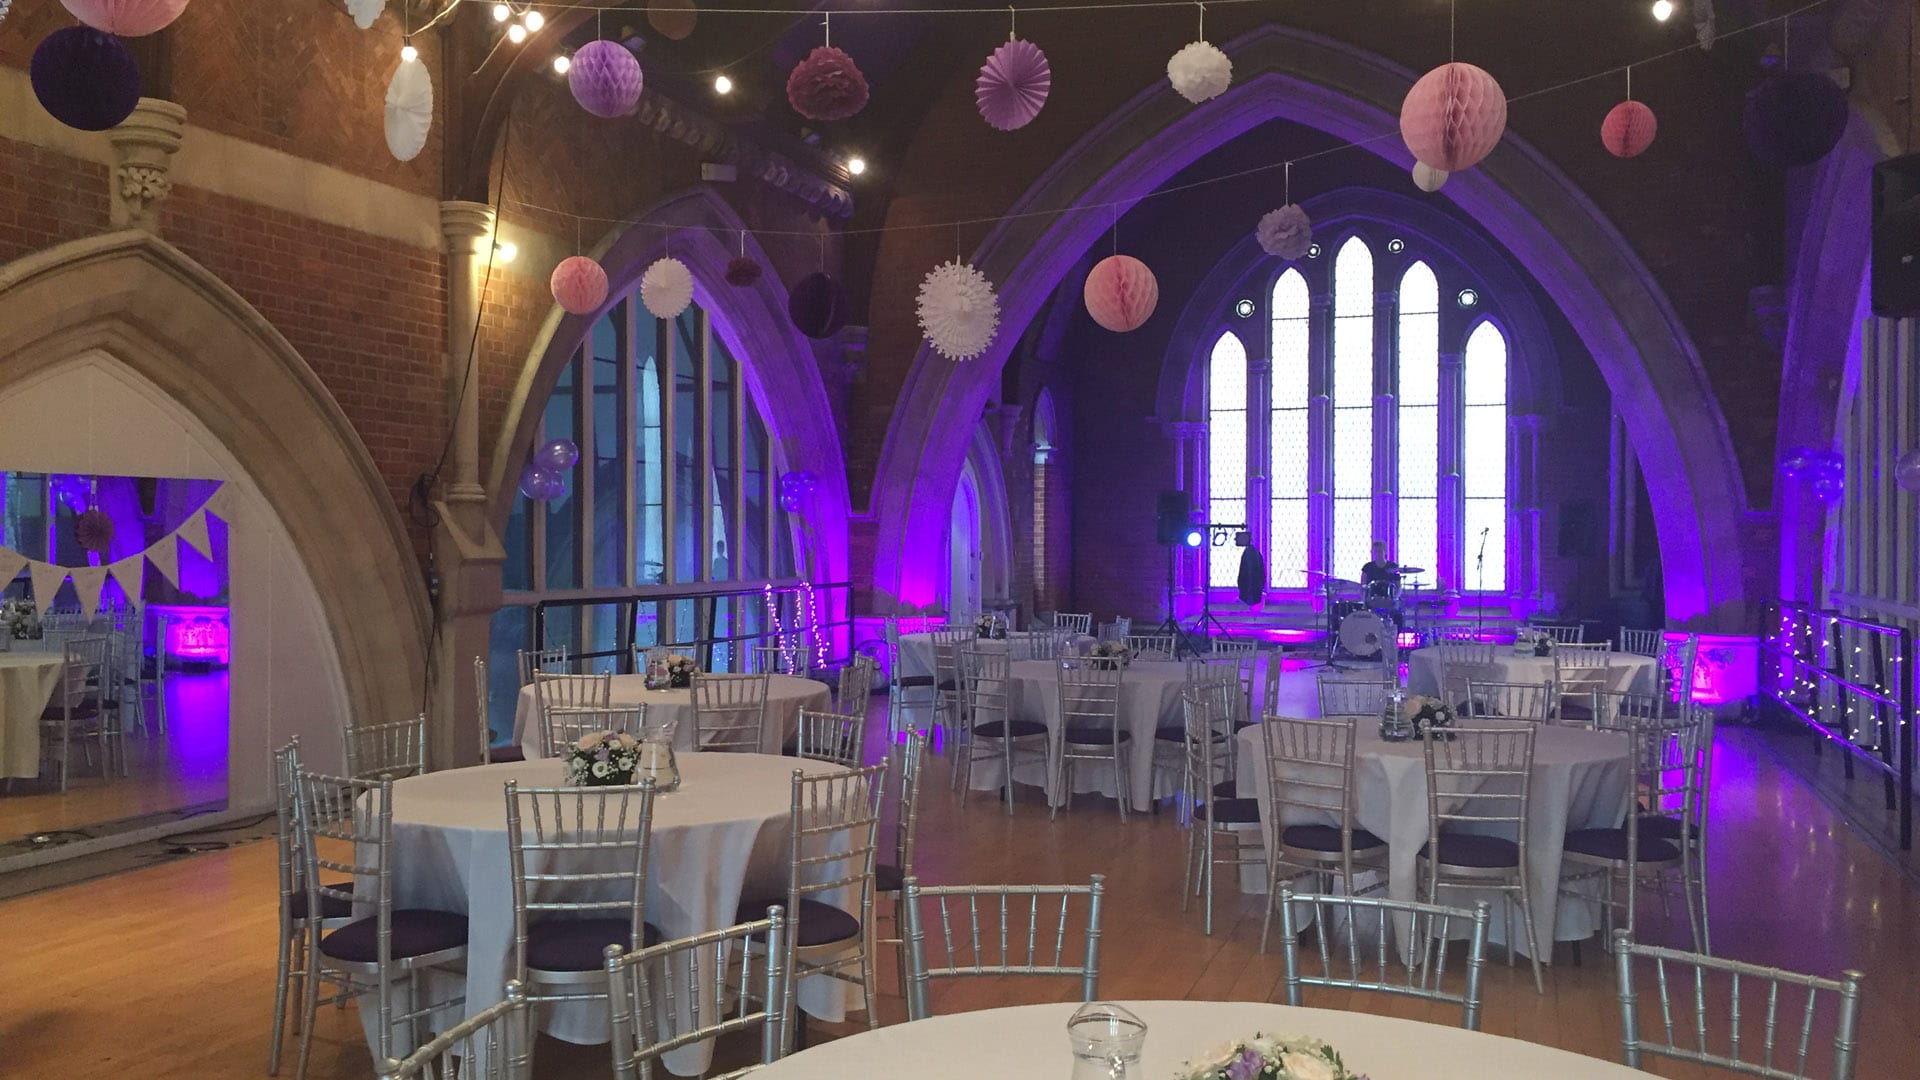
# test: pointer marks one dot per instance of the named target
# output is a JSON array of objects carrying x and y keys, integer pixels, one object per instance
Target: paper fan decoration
[
  {"x": 1285, "y": 233},
  {"x": 579, "y": 285},
  {"x": 666, "y": 288},
  {"x": 958, "y": 310},
  {"x": 827, "y": 85},
  {"x": 1794, "y": 118},
  {"x": 742, "y": 270},
  {"x": 126, "y": 18},
  {"x": 1121, "y": 293},
  {"x": 364, "y": 12},
  {"x": 93, "y": 531},
  {"x": 1199, "y": 72},
  {"x": 1628, "y": 129},
  {"x": 1013, "y": 85},
  {"x": 673, "y": 19},
  {"x": 409, "y": 109},
  {"x": 605, "y": 79},
  {"x": 818, "y": 306},
  {"x": 85, "y": 78},
  {"x": 1453, "y": 117}
]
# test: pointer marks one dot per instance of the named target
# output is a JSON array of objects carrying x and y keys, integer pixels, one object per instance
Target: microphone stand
[{"x": 1480, "y": 583}]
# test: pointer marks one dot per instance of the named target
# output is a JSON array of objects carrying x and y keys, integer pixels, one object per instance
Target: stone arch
[
  {"x": 149, "y": 309},
  {"x": 1551, "y": 228}
]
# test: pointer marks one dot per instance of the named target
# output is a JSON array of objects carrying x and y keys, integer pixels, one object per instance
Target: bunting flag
[
  {"x": 11, "y": 563},
  {"x": 165, "y": 557},
  {"x": 47, "y": 579},
  {"x": 130, "y": 572},
  {"x": 193, "y": 533},
  {"x": 87, "y": 581}
]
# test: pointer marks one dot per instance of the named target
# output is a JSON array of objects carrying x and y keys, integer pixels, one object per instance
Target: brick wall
[{"x": 47, "y": 198}]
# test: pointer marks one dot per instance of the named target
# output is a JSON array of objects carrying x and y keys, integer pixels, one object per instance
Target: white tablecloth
[
  {"x": 916, "y": 650},
  {"x": 786, "y": 696},
  {"x": 27, "y": 682},
  {"x": 1149, "y": 698},
  {"x": 721, "y": 836},
  {"x": 1629, "y": 671},
  {"x": 1581, "y": 779},
  {"x": 1029, "y": 1042}
]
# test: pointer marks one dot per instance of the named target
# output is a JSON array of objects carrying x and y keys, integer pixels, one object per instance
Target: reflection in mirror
[{"x": 113, "y": 655}]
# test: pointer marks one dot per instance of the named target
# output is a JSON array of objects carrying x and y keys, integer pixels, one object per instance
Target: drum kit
[{"x": 1363, "y": 620}]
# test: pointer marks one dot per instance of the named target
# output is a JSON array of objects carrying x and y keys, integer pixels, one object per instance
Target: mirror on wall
[{"x": 114, "y": 646}]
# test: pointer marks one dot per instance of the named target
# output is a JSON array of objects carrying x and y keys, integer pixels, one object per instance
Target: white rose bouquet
[
  {"x": 989, "y": 626},
  {"x": 1274, "y": 1057},
  {"x": 1114, "y": 653},
  {"x": 19, "y": 620},
  {"x": 603, "y": 759}
]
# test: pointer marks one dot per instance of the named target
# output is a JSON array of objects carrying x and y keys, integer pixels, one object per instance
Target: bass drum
[{"x": 1364, "y": 634}]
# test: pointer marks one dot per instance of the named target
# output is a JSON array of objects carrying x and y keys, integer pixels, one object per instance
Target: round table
[
  {"x": 1581, "y": 779},
  {"x": 27, "y": 683},
  {"x": 721, "y": 836},
  {"x": 786, "y": 696},
  {"x": 1627, "y": 671},
  {"x": 1029, "y": 1042},
  {"x": 916, "y": 650}
]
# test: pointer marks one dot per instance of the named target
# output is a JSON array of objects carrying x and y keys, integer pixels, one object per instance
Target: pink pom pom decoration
[
  {"x": 127, "y": 18},
  {"x": 1453, "y": 117},
  {"x": 827, "y": 85},
  {"x": 1013, "y": 85},
  {"x": 1121, "y": 293},
  {"x": 1285, "y": 233},
  {"x": 1628, "y": 129},
  {"x": 605, "y": 79},
  {"x": 579, "y": 285},
  {"x": 742, "y": 271}
]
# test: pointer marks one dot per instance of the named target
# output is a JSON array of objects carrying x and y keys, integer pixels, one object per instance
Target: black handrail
[{"x": 833, "y": 646}]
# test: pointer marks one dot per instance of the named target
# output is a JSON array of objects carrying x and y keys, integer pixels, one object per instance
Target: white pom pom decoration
[
  {"x": 1199, "y": 72},
  {"x": 364, "y": 12},
  {"x": 958, "y": 310},
  {"x": 1285, "y": 233},
  {"x": 409, "y": 109},
  {"x": 666, "y": 288},
  {"x": 1427, "y": 178},
  {"x": 4, "y": 5}
]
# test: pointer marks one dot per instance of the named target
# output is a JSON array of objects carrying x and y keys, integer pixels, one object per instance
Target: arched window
[
  {"x": 1287, "y": 544},
  {"x": 1483, "y": 460},
  {"x": 1417, "y": 481},
  {"x": 1226, "y": 450},
  {"x": 1352, "y": 391}
]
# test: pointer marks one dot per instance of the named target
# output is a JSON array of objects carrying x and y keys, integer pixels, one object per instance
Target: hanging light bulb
[
  {"x": 856, "y": 165},
  {"x": 534, "y": 21},
  {"x": 506, "y": 251},
  {"x": 407, "y": 52},
  {"x": 1662, "y": 10},
  {"x": 722, "y": 84},
  {"x": 516, "y": 33},
  {"x": 501, "y": 13},
  {"x": 562, "y": 64}
]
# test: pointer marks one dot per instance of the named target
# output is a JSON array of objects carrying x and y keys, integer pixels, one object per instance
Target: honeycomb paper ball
[
  {"x": 1121, "y": 293},
  {"x": 127, "y": 18},
  {"x": 742, "y": 271},
  {"x": 1453, "y": 117},
  {"x": 827, "y": 85},
  {"x": 1199, "y": 72},
  {"x": 1013, "y": 85},
  {"x": 1427, "y": 178},
  {"x": 579, "y": 285},
  {"x": 673, "y": 19},
  {"x": 818, "y": 306},
  {"x": 1794, "y": 118},
  {"x": 1628, "y": 129},
  {"x": 666, "y": 288},
  {"x": 605, "y": 79},
  {"x": 85, "y": 78}
]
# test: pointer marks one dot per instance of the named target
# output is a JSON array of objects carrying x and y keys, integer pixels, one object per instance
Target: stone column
[
  {"x": 143, "y": 149},
  {"x": 1523, "y": 513},
  {"x": 1456, "y": 549}
]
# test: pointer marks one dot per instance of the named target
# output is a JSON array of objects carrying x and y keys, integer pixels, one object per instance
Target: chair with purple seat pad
[
  {"x": 1207, "y": 708},
  {"x": 1479, "y": 785},
  {"x": 1310, "y": 798}
]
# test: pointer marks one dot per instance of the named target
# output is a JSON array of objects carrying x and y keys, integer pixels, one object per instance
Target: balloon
[
  {"x": 540, "y": 484},
  {"x": 557, "y": 455},
  {"x": 1907, "y": 471},
  {"x": 1827, "y": 488}
]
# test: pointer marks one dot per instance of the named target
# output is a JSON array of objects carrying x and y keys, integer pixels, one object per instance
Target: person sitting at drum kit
[{"x": 1380, "y": 580}]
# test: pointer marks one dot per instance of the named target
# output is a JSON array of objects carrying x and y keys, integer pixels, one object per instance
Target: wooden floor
[{"x": 168, "y": 971}]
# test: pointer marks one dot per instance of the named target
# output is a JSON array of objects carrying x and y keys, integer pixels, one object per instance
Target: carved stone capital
[
  {"x": 464, "y": 224},
  {"x": 143, "y": 149}
]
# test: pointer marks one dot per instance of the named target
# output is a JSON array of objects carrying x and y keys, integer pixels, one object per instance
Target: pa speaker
[
  {"x": 1895, "y": 268},
  {"x": 1171, "y": 516}
]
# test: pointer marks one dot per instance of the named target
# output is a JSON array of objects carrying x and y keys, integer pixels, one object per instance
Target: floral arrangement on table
[
  {"x": 673, "y": 673},
  {"x": 1274, "y": 1057},
  {"x": 603, "y": 759},
  {"x": 1531, "y": 642},
  {"x": 1420, "y": 717},
  {"x": 1110, "y": 654},
  {"x": 989, "y": 626},
  {"x": 18, "y": 619}
]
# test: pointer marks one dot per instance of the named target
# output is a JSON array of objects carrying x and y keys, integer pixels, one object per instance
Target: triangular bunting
[
  {"x": 11, "y": 563},
  {"x": 193, "y": 533},
  {"x": 165, "y": 557},
  {"x": 130, "y": 572},
  {"x": 86, "y": 587},
  {"x": 46, "y": 583},
  {"x": 220, "y": 503}
]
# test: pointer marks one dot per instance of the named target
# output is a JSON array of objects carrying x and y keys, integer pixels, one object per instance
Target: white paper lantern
[
  {"x": 409, "y": 109},
  {"x": 1199, "y": 72},
  {"x": 364, "y": 12},
  {"x": 958, "y": 310},
  {"x": 1427, "y": 178},
  {"x": 666, "y": 288}
]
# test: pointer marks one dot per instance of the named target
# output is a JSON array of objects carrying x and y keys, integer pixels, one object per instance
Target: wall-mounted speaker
[{"x": 1895, "y": 266}]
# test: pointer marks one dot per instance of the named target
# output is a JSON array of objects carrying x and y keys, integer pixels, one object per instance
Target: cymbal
[{"x": 1409, "y": 571}]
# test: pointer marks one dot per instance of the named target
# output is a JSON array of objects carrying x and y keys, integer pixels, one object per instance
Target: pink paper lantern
[
  {"x": 1453, "y": 117},
  {"x": 1121, "y": 293},
  {"x": 1628, "y": 129},
  {"x": 127, "y": 18},
  {"x": 827, "y": 85},
  {"x": 1013, "y": 85},
  {"x": 579, "y": 285},
  {"x": 605, "y": 79}
]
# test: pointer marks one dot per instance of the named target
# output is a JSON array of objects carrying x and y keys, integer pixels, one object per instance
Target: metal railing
[
  {"x": 794, "y": 615},
  {"x": 1852, "y": 681}
]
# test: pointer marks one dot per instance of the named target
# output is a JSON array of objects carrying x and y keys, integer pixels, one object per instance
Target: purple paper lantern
[
  {"x": 85, "y": 79},
  {"x": 827, "y": 85},
  {"x": 557, "y": 455},
  {"x": 1013, "y": 85},
  {"x": 605, "y": 79},
  {"x": 1794, "y": 118},
  {"x": 742, "y": 271},
  {"x": 541, "y": 484},
  {"x": 818, "y": 306}
]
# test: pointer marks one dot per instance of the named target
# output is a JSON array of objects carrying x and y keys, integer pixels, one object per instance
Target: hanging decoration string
[
  {"x": 1202, "y": 35},
  {"x": 1013, "y": 23},
  {"x": 1286, "y": 185},
  {"x": 1452, "y": 53},
  {"x": 829, "y": 35},
  {"x": 1629, "y": 82}
]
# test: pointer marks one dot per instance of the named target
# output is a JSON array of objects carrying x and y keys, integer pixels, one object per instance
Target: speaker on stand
[{"x": 1894, "y": 270}]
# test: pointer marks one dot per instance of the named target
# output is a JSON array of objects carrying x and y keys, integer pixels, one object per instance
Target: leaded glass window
[
  {"x": 1417, "y": 477},
  {"x": 1352, "y": 392},
  {"x": 1291, "y": 454},
  {"x": 1226, "y": 451},
  {"x": 1483, "y": 461}
]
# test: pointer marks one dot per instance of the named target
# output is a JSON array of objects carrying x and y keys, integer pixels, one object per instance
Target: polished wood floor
[{"x": 168, "y": 971}]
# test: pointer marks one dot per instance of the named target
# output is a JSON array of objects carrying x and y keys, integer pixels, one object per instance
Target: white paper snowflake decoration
[
  {"x": 4, "y": 5},
  {"x": 666, "y": 288},
  {"x": 364, "y": 12},
  {"x": 1199, "y": 72},
  {"x": 409, "y": 110},
  {"x": 958, "y": 310}
]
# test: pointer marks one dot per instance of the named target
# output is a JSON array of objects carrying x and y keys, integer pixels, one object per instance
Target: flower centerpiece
[
  {"x": 19, "y": 620},
  {"x": 603, "y": 759},
  {"x": 1427, "y": 716},
  {"x": 1274, "y": 1057},
  {"x": 675, "y": 672},
  {"x": 1530, "y": 642},
  {"x": 1110, "y": 654},
  {"x": 989, "y": 626}
]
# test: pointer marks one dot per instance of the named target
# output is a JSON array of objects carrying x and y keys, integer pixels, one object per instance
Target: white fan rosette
[
  {"x": 409, "y": 109},
  {"x": 958, "y": 310},
  {"x": 1199, "y": 72},
  {"x": 364, "y": 12},
  {"x": 666, "y": 288}
]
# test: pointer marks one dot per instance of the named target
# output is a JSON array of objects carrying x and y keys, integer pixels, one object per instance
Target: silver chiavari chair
[
  {"x": 784, "y": 657},
  {"x": 657, "y": 1005},
  {"x": 495, "y": 1043},
  {"x": 295, "y": 924},
  {"x": 1089, "y": 729},
  {"x": 1463, "y": 660},
  {"x": 889, "y": 878},
  {"x": 1772, "y": 997},
  {"x": 1480, "y": 779},
  {"x": 855, "y": 690},
  {"x": 1117, "y": 630},
  {"x": 1226, "y": 646},
  {"x": 1643, "y": 642},
  {"x": 554, "y": 661},
  {"x": 967, "y": 915},
  {"x": 825, "y": 736},
  {"x": 1417, "y": 970},
  {"x": 1219, "y": 814},
  {"x": 947, "y": 645},
  {"x": 1675, "y": 672},
  {"x": 1346, "y": 696},
  {"x": 993, "y": 733},
  {"x": 578, "y": 860},
  {"x": 1513, "y": 701},
  {"x": 483, "y": 698},
  {"x": 1580, "y": 671},
  {"x": 387, "y": 751},
  {"x": 1077, "y": 624},
  {"x": 1561, "y": 633},
  {"x": 832, "y": 841},
  {"x": 1031, "y": 645},
  {"x": 905, "y": 692},
  {"x": 730, "y": 712},
  {"x": 346, "y": 829},
  {"x": 568, "y": 726},
  {"x": 78, "y": 711},
  {"x": 1310, "y": 784},
  {"x": 1152, "y": 646},
  {"x": 557, "y": 692}
]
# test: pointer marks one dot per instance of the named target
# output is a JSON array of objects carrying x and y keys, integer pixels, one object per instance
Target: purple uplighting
[{"x": 196, "y": 634}]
